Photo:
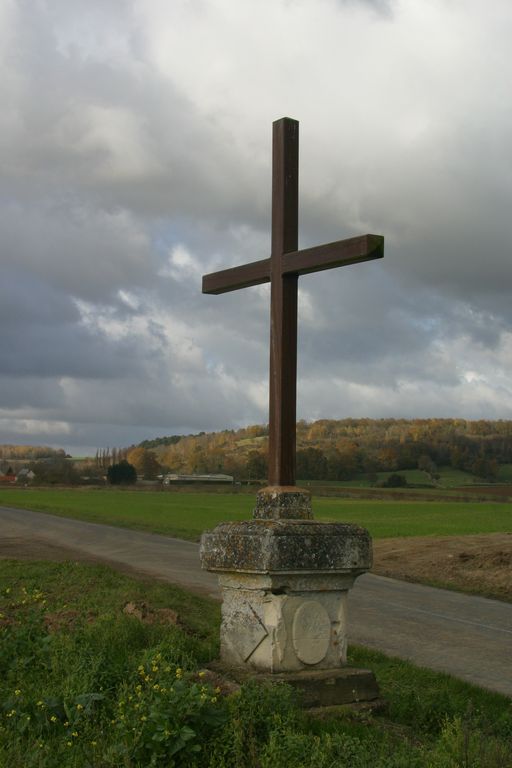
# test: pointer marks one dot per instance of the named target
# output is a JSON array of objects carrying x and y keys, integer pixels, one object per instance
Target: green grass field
[
  {"x": 505, "y": 473},
  {"x": 449, "y": 478},
  {"x": 186, "y": 515},
  {"x": 83, "y": 685}
]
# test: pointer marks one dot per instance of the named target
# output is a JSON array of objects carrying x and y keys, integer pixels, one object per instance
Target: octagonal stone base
[
  {"x": 284, "y": 623},
  {"x": 284, "y": 588}
]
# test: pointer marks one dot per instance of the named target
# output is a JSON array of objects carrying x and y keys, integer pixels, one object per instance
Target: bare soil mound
[{"x": 481, "y": 564}]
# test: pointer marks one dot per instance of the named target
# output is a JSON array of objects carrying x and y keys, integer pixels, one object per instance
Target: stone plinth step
[{"x": 316, "y": 688}]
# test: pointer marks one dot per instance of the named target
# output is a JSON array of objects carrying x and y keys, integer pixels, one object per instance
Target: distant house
[
  {"x": 25, "y": 476},
  {"x": 7, "y": 478},
  {"x": 171, "y": 479}
]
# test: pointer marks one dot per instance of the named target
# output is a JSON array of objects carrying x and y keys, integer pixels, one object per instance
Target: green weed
[{"x": 83, "y": 685}]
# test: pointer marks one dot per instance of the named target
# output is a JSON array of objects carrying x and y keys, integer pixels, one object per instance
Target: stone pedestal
[{"x": 284, "y": 580}]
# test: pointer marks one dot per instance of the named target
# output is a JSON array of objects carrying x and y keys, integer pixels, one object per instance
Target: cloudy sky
[{"x": 135, "y": 155}]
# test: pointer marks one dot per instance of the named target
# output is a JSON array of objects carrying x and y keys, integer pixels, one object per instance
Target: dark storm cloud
[
  {"x": 135, "y": 156},
  {"x": 109, "y": 129},
  {"x": 43, "y": 335},
  {"x": 77, "y": 251}
]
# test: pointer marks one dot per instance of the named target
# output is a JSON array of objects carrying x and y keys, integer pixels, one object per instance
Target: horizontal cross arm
[
  {"x": 255, "y": 273},
  {"x": 338, "y": 254}
]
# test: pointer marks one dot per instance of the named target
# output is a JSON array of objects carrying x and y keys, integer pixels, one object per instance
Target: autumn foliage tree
[
  {"x": 342, "y": 449},
  {"x": 145, "y": 462}
]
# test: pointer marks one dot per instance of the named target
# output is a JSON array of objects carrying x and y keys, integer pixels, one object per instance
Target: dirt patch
[
  {"x": 147, "y": 615},
  {"x": 60, "y": 620},
  {"x": 481, "y": 564},
  {"x": 499, "y": 492},
  {"x": 18, "y": 548}
]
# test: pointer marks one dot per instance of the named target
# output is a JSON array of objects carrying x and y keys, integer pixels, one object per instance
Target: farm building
[{"x": 175, "y": 478}]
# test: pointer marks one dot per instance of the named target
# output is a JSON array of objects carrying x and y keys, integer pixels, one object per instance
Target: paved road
[{"x": 470, "y": 637}]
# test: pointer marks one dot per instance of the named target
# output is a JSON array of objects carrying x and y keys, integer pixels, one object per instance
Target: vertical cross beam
[
  {"x": 283, "y": 303},
  {"x": 282, "y": 270}
]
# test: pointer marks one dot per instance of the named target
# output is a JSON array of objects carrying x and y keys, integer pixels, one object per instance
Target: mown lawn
[
  {"x": 85, "y": 685},
  {"x": 186, "y": 515}
]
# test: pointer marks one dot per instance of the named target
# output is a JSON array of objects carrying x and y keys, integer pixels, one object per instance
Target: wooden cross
[{"x": 282, "y": 270}]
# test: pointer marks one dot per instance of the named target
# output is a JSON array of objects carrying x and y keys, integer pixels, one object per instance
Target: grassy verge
[
  {"x": 505, "y": 473},
  {"x": 82, "y": 684},
  {"x": 186, "y": 515},
  {"x": 448, "y": 477}
]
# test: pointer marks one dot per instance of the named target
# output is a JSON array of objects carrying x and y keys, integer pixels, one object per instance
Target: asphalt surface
[{"x": 469, "y": 637}]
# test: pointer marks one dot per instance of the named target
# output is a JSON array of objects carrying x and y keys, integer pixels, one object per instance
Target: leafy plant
[{"x": 164, "y": 717}]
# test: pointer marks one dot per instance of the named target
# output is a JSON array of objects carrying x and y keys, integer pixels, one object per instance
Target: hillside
[
  {"x": 364, "y": 451},
  {"x": 346, "y": 449}
]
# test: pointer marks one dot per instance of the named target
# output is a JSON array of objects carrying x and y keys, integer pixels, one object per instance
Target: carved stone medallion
[{"x": 311, "y": 632}]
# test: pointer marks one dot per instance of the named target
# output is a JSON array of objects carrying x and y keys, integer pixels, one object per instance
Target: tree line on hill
[
  {"x": 327, "y": 449},
  {"x": 29, "y": 452},
  {"x": 343, "y": 449}
]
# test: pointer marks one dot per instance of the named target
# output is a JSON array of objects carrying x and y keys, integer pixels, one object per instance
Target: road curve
[{"x": 466, "y": 636}]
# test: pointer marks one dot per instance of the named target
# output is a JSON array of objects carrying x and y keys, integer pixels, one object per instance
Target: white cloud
[
  {"x": 181, "y": 265},
  {"x": 35, "y": 428}
]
